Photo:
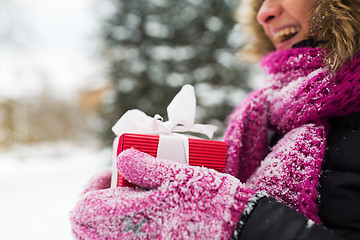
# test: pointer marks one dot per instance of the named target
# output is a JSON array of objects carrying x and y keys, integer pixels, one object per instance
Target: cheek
[
  {"x": 267, "y": 32},
  {"x": 301, "y": 10}
]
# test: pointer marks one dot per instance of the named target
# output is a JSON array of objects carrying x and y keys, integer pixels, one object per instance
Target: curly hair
[{"x": 335, "y": 25}]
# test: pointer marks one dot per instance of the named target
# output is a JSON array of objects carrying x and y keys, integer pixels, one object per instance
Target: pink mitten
[
  {"x": 99, "y": 181},
  {"x": 175, "y": 201}
]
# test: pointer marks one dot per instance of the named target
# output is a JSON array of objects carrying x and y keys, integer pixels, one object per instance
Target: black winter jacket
[{"x": 339, "y": 189}]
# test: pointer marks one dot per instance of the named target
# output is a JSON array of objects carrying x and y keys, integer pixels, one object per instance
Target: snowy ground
[{"x": 39, "y": 186}]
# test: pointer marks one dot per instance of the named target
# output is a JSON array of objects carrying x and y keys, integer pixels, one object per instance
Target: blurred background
[{"x": 70, "y": 69}]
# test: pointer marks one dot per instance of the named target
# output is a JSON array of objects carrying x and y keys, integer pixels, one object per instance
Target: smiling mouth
[{"x": 285, "y": 34}]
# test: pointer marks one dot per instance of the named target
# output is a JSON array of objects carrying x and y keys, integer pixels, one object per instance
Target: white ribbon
[
  {"x": 174, "y": 147},
  {"x": 181, "y": 112}
]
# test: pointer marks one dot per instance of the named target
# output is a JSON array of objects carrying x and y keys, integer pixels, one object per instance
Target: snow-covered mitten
[
  {"x": 99, "y": 181},
  {"x": 175, "y": 201}
]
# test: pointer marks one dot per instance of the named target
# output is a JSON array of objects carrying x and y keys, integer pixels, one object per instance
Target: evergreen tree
[{"x": 154, "y": 47}]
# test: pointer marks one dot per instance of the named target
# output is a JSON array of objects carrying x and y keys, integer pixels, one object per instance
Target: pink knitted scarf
[{"x": 300, "y": 94}]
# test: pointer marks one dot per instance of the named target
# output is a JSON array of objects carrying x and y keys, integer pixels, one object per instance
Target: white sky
[{"x": 55, "y": 44}]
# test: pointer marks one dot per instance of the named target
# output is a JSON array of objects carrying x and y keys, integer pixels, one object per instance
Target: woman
[{"x": 300, "y": 182}]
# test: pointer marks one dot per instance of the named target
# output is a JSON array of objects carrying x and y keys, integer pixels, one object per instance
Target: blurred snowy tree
[{"x": 154, "y": 47}]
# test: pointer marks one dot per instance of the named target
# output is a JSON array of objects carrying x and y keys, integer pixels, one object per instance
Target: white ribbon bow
[{"x": 181, "y": 112}]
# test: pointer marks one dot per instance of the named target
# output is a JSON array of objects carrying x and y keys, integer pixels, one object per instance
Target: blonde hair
[{"x": 335, "y": 26}]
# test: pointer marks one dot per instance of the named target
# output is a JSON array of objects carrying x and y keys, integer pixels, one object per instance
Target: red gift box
[{"x": 206, "y": 153}]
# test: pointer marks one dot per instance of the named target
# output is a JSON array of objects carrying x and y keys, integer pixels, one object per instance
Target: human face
[{"x": 286, "y": 22}]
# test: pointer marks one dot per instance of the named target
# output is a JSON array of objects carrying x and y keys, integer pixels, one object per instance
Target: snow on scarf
[{"x": 298, "y": 97}]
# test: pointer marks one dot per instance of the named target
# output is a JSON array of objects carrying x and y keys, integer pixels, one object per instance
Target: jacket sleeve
[
  {"x": 271, "y": 219},
  {"x": 339, "y": 190},
  {"x": 339, "y": 205}
]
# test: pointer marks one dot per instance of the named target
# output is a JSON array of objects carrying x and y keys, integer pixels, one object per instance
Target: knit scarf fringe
[{"x": 300, "y": 94}]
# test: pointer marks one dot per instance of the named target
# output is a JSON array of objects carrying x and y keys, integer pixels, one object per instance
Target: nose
[{"x": 269, "y": 10}]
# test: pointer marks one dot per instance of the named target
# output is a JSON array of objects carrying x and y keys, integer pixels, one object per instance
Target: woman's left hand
[{"x": 173, "y": 201}]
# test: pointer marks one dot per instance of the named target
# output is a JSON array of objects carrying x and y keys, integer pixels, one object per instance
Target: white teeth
[{"x": 285, "y": 31}]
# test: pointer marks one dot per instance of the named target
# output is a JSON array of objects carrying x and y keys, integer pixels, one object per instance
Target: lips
[{"x": 285, "y": 34}]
